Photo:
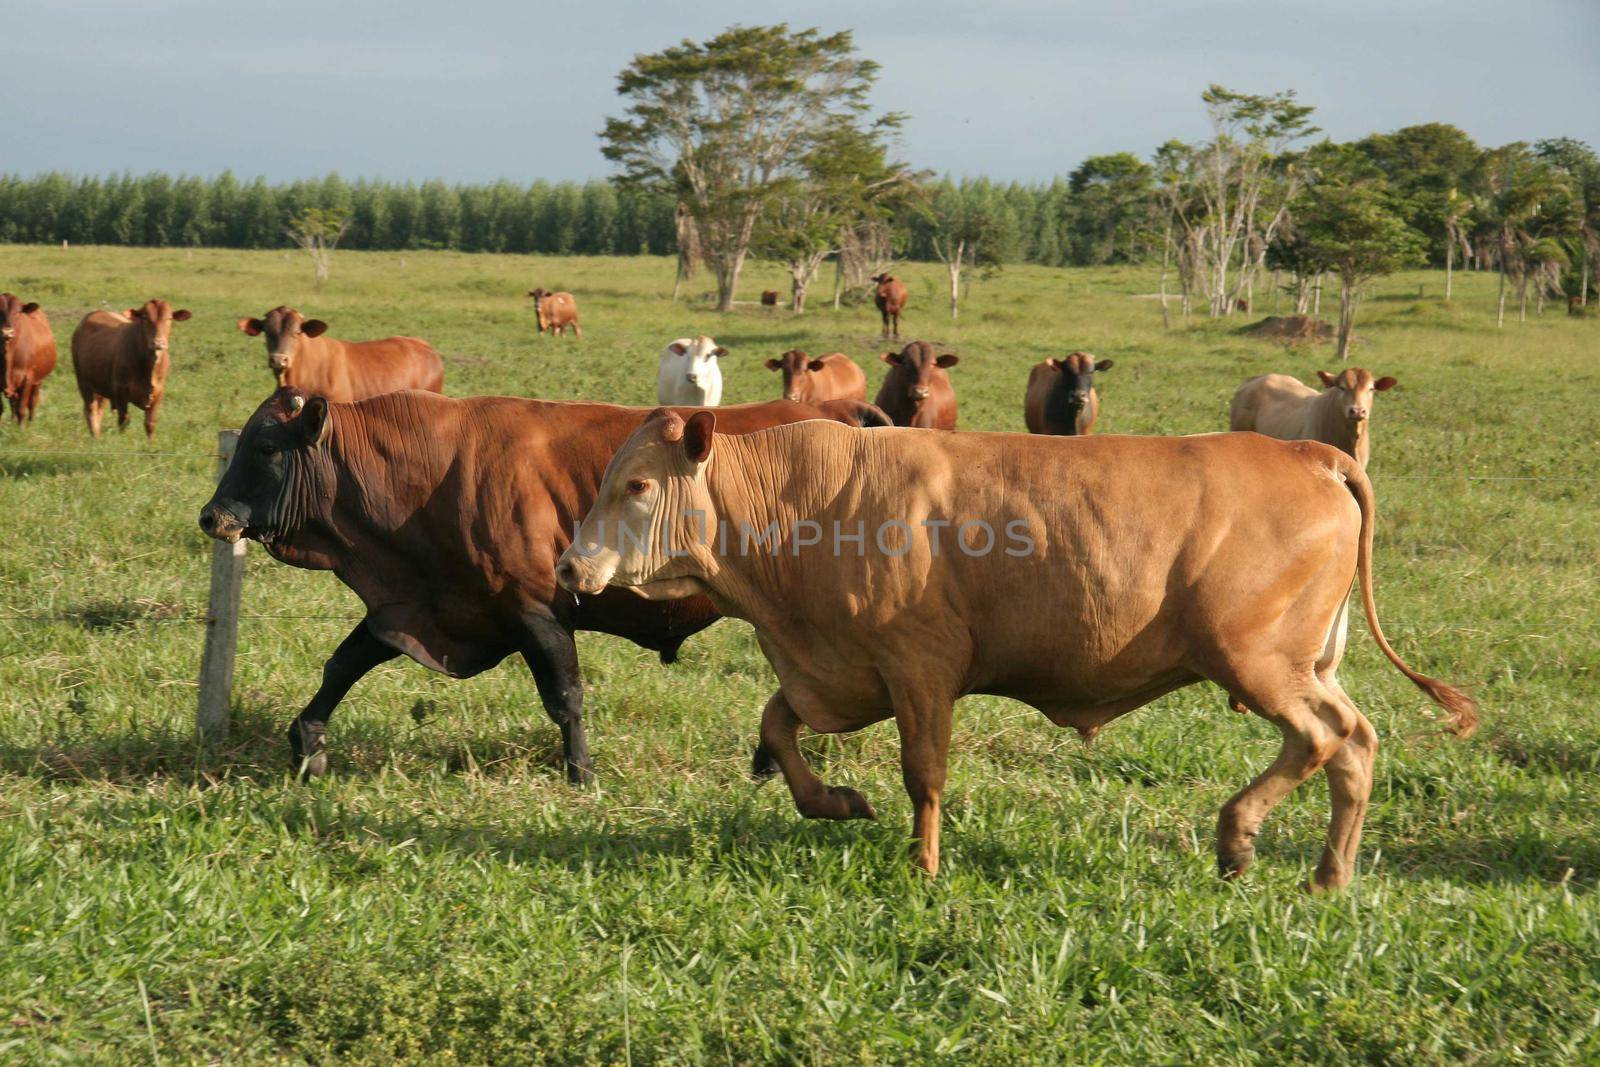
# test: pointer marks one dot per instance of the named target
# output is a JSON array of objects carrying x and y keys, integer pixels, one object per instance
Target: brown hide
[
  {"x": 555, "y": 312},
  {"x": 27, "y": 354},
  {"x": 1061, "y": 398},
  {"x": 122, "y": 359},
  {"x": 834, "y": 376},
  {"x": 917, "y": 391},
  {"x": 891, "y": 297},
  {"x": 302, "y": 357}
]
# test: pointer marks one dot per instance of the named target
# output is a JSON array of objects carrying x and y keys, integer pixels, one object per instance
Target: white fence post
[{"x": 222, "y": 620}]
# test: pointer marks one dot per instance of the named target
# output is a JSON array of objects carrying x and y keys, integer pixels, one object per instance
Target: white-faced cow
[
  {"x": 688, "y": 374},
  {"x": 966, "y": 559}
]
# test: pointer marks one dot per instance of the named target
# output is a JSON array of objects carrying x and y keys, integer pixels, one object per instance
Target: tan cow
[
  {"x": 27, "y": 354},
  {"x": 1283, "y": 407},
  {"x": 834, "y": 376},
  {"x": 300, "y": 357},
  {"x": 889, "y": 572},
  {"x": 556, "y": 311},
  {"x": 122, "y": 358},
  {"x": 1061, "y": 398}
]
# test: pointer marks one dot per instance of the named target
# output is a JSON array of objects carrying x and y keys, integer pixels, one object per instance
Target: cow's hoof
[
  {"x": 308, "y": 749},
  {"x": 763, "y": 766},
  {"x": 580, "y": 774},
  {"x": 1232, "y": 865},
  {"x": 855, "y": 805}
]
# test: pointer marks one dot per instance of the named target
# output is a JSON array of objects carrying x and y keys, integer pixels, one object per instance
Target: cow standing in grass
[
  {"x": 890, "y": 296},
  {"x": 300, "y": 357},
  {"x": 123, "y": 358},
  {"x": 27, "y": 354},
  {"x": 687, "y": 373},
  {"x": 1061, "y": 398},
  {"x": 1086, "y": 576},
  {"x": 555, "y": 312},
  {"x": 834, "y": 376},
  {"x": 917, "y": 391},
  {"x": 1284, "y": 407}
]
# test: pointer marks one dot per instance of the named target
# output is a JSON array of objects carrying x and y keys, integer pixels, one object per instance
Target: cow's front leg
[
  {"x": 553, "y": 658},
  {"x": 924, "y": 759},
  {"x": 780, "y": 741},
  {"x": 356, "y": 655}
]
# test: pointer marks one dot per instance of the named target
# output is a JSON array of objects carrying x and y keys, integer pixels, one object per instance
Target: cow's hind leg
[
  {"x": 122, "y": 417},
  {"x": 1315, "y": 724},
  {"x": 924, "y": 760},
  {"x": 356, "y": 655},
  {"x": 1349, "y": 786},
  {"x": 91, "y": 414},
  {"x": 553, "y": 658},
  {"x": 780, "y": 742}
]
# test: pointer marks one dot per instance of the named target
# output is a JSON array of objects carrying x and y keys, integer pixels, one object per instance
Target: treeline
[{"x": 157, "y": 210}]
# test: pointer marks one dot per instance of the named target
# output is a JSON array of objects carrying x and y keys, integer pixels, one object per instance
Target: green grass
[{"x": 443, "y": 894}]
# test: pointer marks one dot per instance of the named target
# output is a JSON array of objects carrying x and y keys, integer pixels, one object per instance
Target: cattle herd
[{"x": 888, "y": 564}]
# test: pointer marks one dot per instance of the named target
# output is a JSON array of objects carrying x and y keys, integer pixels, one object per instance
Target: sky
[{"x": 1011, "y": 89}]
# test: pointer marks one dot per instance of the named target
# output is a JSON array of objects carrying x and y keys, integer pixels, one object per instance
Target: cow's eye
[
  {"x": 637, "y": 486},
  {"x": 266, "y": 448}
]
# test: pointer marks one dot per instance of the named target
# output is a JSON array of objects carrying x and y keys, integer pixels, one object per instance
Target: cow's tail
[{"x": 1461, "y": 706}]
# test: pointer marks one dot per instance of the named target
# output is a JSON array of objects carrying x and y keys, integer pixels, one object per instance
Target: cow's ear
[
  {"x": 1326, "y": 378},
  {"x": 30, "y": 307},
  {"x": 1383, "y": 383},
  {"x": 313, "y": 327},
  {"x": 815, "y": 364},
  {"x": 774, "y": 364},
  {"x": 181, "y": 315},
  {"x": 1053, "y": 363},
  {"x": 677, "y": 349},
  {"x": 947, "y": 360},
  {"x": 890, "y": 357},
  {"x": 132, "y": 313},
  {"x": 697, "y": 436},
  {"x": 314, "y": 422},
  {"x": 719, "y": 351},
  {"x": 1104, "y": 364},
  {"x": 253, "y": 327}
]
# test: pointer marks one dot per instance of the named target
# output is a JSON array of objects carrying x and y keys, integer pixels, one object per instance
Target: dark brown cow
[
  {"x": 446, "y": 517},
  {"x": 122, "y": 358},
  {"x": 769, "y": 298},
  {"x": 1061, "y": 398},
  {"x": 917, "y": 391},
  {"x": 890, "y": 296},
  {"x": 300, "y": 357},
  {"x": 834, "y": 376},
  {"x": 556, "y": 311},
  {"x": 27, "y": 354}
]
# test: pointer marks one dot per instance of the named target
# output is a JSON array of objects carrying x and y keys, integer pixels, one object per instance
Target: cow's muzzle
[
  {"x": 919, "y": 392},
  {"x": 7, "y": 333},
  {"x": 1357, "y": 414},
  {"x": 793, "y": 398},
  {"x": 220, "y": 523},
  {"x": 581, "y": 574}
]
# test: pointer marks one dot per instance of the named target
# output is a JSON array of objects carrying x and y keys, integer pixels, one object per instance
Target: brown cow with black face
[
  {"x": 834, "y": 376},
  {"x": 446, "y": 517},
  {"x": 122, "y": 358},
  {"x": 300, "y": 357},
  {"x": 555, "y": 312},
  {"x": 917, "y": 391},
  {"x": 27, "y": 354},
  {"x": 1061, "y": 397},
  {"x": 891, "y": 297}
]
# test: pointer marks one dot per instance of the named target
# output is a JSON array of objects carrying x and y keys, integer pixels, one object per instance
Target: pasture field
[{"x": 444, "y": 895}]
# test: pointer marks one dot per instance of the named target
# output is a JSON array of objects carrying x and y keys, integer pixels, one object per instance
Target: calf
[
  {"x": 123, "y": 358},
  {"x": 1061, "y": 398},
  {"x": 446, "y": 517},
  {"x": 1282, "y": 407},
  {"x": 811, "y": 381},
  {"x": 1224, "y": 558},
  {"x": 890, "y": 296},
  {"x": 27, "y": 354},
  {"x": 688, "y": 373},
  {"x": 555, "y": 312},
  {"x": 917, "y": 391},
  {"x": 300, "y": 357}
]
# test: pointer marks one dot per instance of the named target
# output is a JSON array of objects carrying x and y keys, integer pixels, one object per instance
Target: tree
[
  {"x": 1578, "y": 162},
  {"x": 963, "y": 230},
  {"x": 1353, "y": 231},
  {"x": 849, "y": 182},
  {"x": 1522, "y": 200},
  {"x": 1420, "y": 166},
  {"x": 317, "y": 232},
  {"x": 1112, "y": 210},
  {"x": 728, "y": 125}
]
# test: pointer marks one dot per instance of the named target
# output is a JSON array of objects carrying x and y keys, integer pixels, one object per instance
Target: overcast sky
[{"x": 1013, "y": 89}]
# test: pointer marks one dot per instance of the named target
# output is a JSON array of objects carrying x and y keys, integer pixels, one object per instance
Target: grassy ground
[{"x": 444, "y": 895}]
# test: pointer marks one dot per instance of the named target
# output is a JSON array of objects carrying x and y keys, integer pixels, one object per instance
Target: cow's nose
[
  {"x": 1080, "y": 396},
  {"x": 792, "y": 397},
  {"x": 208, "y": 521},
  {"x": 1357, "y": 414},
  {"x": 919, "y": 392}
]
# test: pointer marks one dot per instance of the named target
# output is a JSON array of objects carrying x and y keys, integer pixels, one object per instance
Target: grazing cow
[
  {"x": 446, "y": 517},
  {"x": 27, "y": 354},
  {"x": 1283, "y": 407},
  {"x": 1061, "y": 399},
  {"x": 122, "y": 358},
  {"x": 769, "y": 298},
  {"x": 300, "y": 357},
  {"x": 811, "y": 381},
  {"x": 556, "y": 311},
  {"x": 890, "y": 296},
  {"x": 917, "y": 391},
  {"x": 1241, "y": 304},
  {"x": 1169, "y": 561},
  {"x": 688, "y": 374}
]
